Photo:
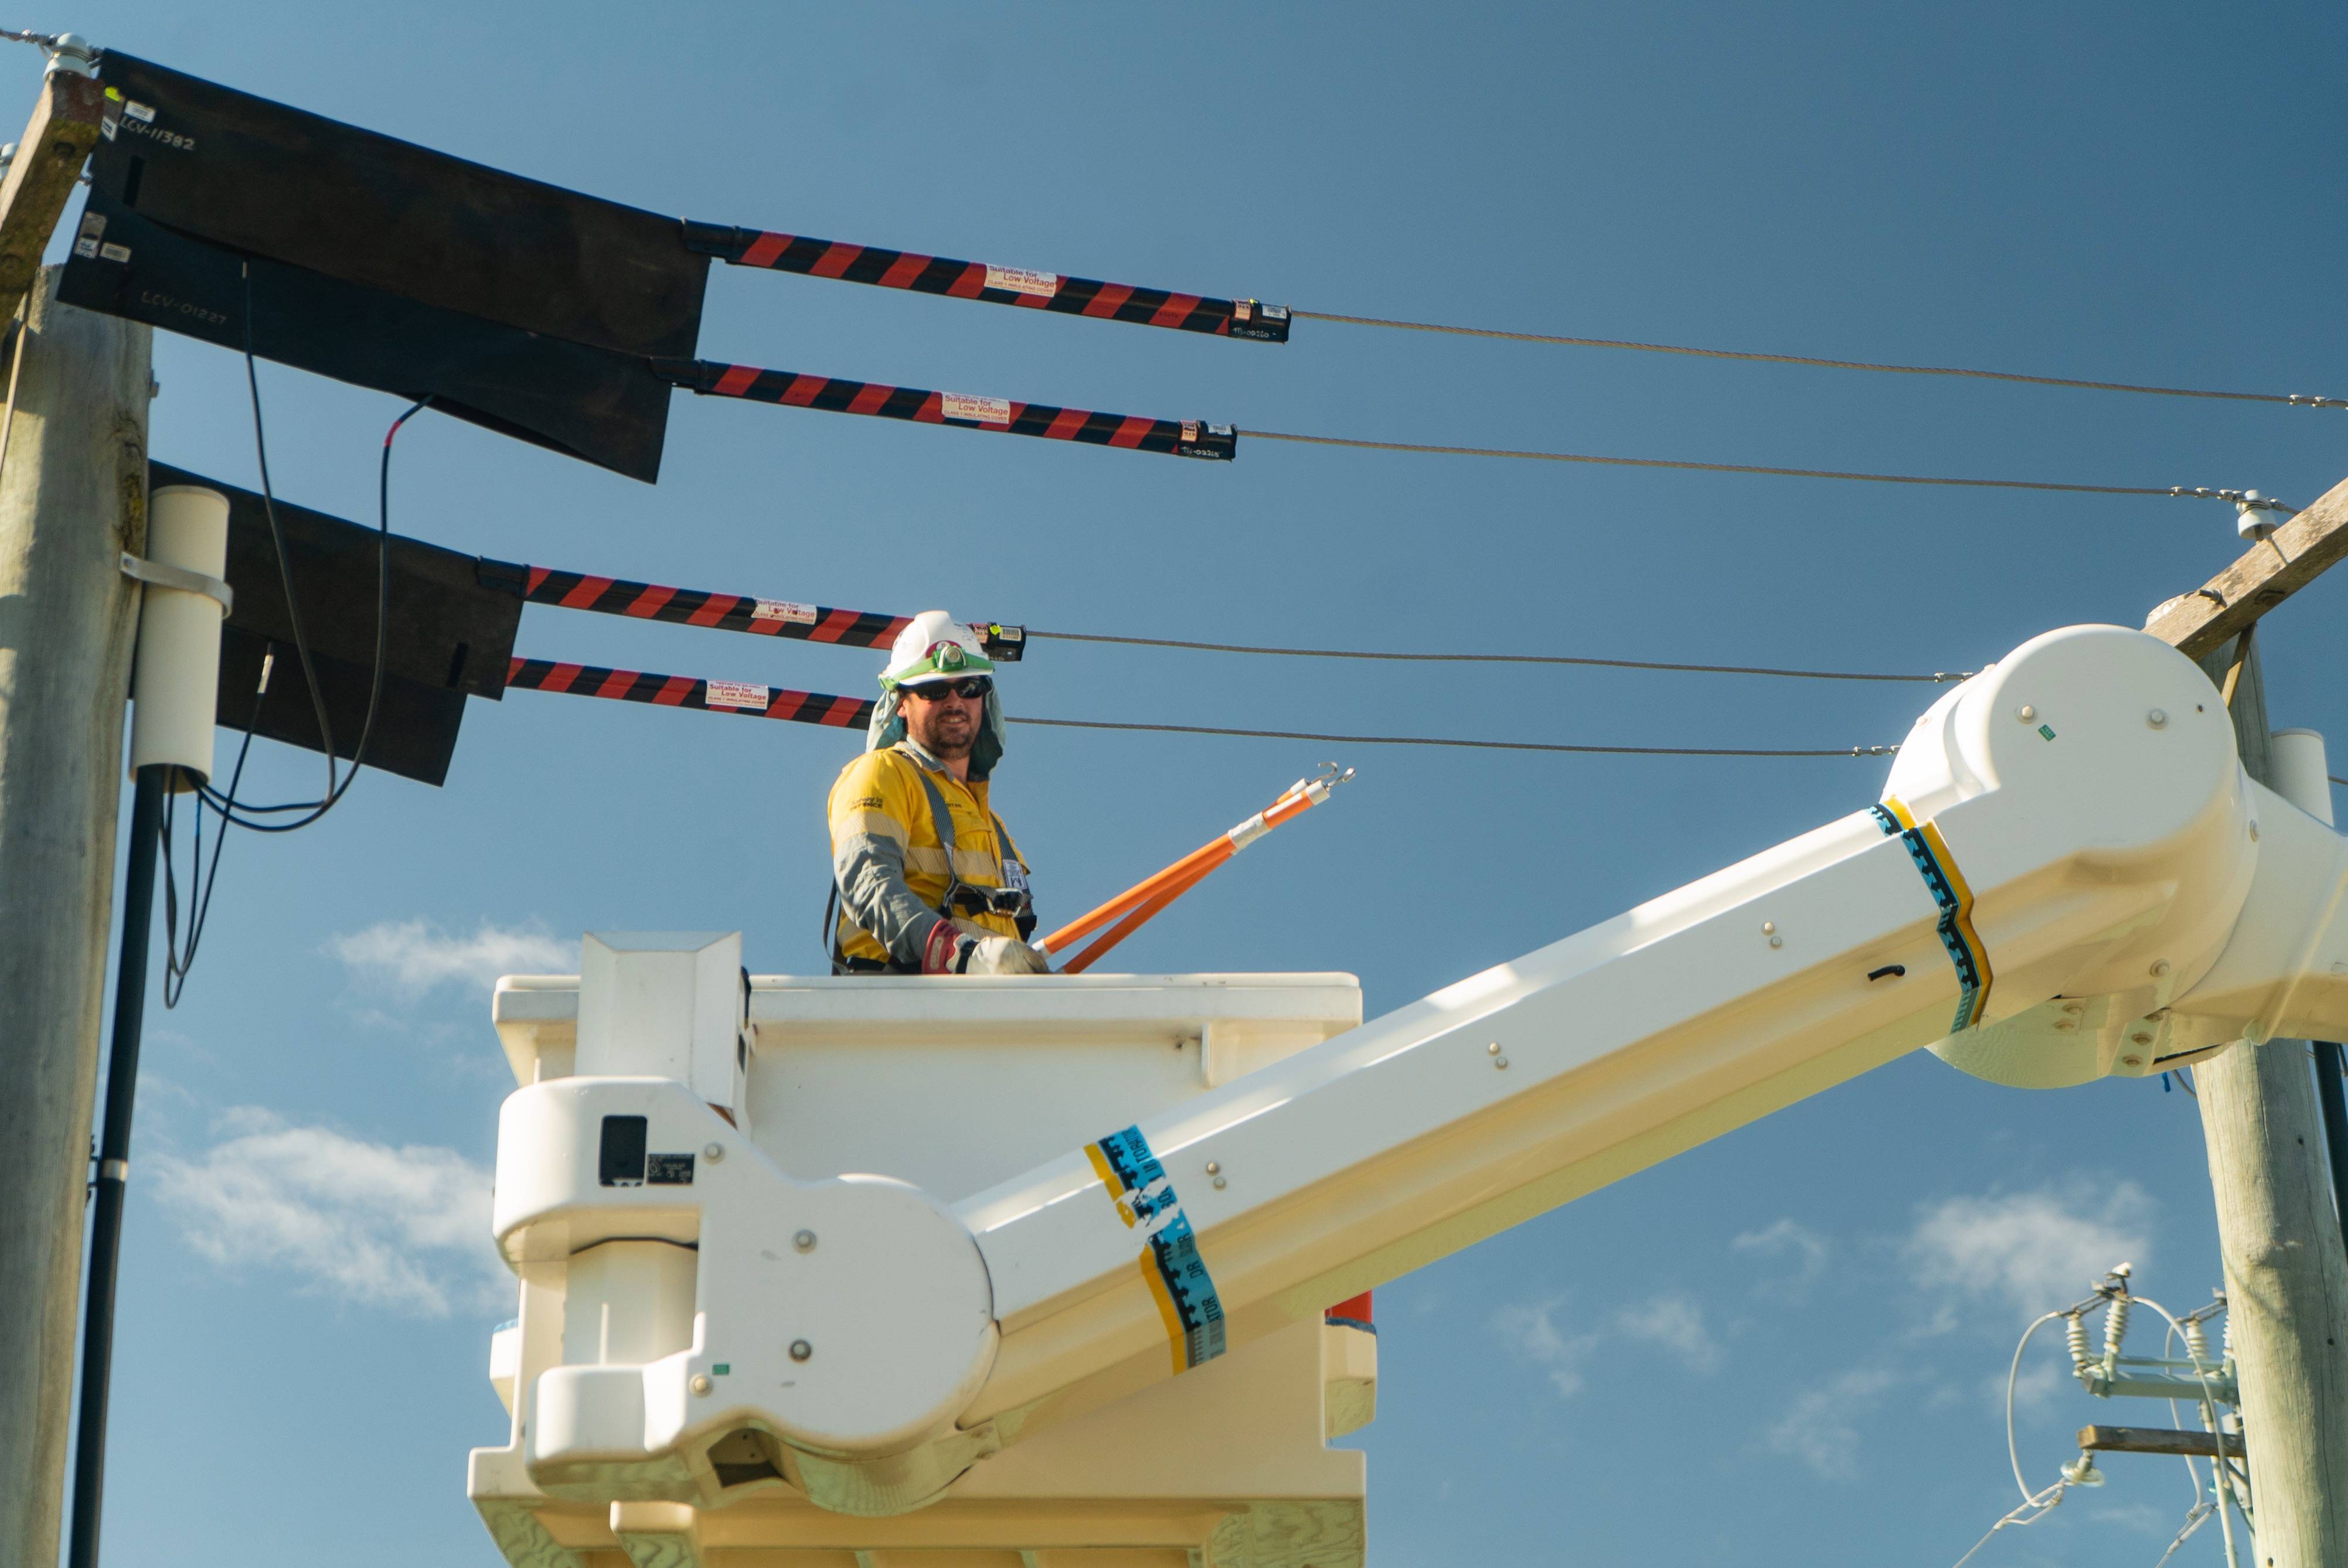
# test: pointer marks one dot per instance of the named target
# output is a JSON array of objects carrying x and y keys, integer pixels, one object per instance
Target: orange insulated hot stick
[{"x": 1138, "y": 904}]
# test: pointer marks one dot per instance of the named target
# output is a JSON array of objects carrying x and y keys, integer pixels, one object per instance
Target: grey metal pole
[
  {"x": 73, "y": 496},
  {"x": 131, "y": 974},
  {"x": 2286, "y": 1275}
]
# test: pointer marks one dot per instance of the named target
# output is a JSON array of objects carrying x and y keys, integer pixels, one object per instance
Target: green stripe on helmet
[{"x": 945, "y": 659}]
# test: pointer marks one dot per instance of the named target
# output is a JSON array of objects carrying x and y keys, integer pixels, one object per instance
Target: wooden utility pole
[
  {"x": 73, "y": 497},
  {"x": 2286, "y": 1276}
]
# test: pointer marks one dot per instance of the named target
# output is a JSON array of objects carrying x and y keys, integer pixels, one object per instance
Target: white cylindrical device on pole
[
  {"x": 2255, "y": 519},
  {"x": 175, "y": 689},
  {"x": 2299, "y": 772}
]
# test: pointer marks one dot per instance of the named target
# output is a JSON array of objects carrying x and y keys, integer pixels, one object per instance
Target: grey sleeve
[{"x": 871, "y": 871}]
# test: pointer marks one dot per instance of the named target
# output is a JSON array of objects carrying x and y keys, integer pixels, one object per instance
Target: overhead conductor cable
[
  {"x": 2294, "y": 399},
  {"x": 2240, "y": 497},
  {"x": 1056, "y": 293},
  {"x": 1063, "y": 295},
  {"x": 1193, "y": 312},
  {"x": 1220, "y": 443},
  {"x": 1472, "y": 745},
  {"x": 1937, "y": 676},
  {"x": 760, "y": 702},
  {"x": 1004, "y": 643}
]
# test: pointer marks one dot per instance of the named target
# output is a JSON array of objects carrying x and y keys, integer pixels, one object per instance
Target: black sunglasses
[{"x": 972, "y": 686}]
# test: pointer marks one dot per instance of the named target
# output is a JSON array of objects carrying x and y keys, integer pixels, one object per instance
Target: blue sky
[{"x": 1787, "y": 1347}]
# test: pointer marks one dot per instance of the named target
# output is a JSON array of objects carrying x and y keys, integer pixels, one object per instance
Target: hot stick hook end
[{"x": 1318, "y": 787}]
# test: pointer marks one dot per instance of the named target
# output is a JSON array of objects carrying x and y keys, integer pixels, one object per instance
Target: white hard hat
[{"x": 935, "y": 646}]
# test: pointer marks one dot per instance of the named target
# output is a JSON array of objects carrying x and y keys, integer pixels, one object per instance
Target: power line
[
  {"x": 750, "y": 700},
  {"x": 1246, "y": 318},
  {"x": 1203, "y": 438},
  {"x": 2295, "y": 399},
  {"x": 1942, "y": 676},
  {"x": 1478, "y": 745},
  {"x": 2175, "y": 490},
  {"x": 727, "y": 611}
]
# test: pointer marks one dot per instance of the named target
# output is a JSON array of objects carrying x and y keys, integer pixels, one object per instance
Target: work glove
[
  {"x": 998, "y": 956},
  {"x": 951, "y": 950}
]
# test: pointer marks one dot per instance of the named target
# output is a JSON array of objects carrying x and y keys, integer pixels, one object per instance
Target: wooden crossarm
[
  {"x": 2200, "y": 624},
  {"x": 56, "y": 142},
  {"x": 2158, "y": 1440}
]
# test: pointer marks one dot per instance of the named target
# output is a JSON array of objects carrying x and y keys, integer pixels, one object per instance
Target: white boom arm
[{"x": 2069, "y": 876}]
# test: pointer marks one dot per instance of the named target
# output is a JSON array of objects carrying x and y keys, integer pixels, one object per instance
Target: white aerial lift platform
[
  {"x": 953, "y": 1088},
  {"x": 977, "y": 1272}
]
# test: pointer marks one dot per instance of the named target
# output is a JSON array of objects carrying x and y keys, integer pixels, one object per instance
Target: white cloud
[
  {"x": 2141, "y": 1517},
  {"x": 1973, "y": 1259},
  {"x": 406, "y": 1229},
  {"x": 1532, "y": 1333},
  {"x": 1674, "y": 1320},
  {"x": 153, "y": 1086},
  {"x": 2035, "y": 1386},
  {"x": 2036, "y": 1250},
  {"x": 1788, "y": 1238},
  {"x": 413, "y": 955},
  {"x": 1821, "y": 1428}
]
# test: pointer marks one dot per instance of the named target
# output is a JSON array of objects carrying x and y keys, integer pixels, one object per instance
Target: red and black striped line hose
[
  {"x": 1178, "y": 437},
  {"x": 684, "y": 692},
  {"x": 995, "y": 285},
  {"x": 697, "y": 607},
  {"x": 724, "y": 611}
]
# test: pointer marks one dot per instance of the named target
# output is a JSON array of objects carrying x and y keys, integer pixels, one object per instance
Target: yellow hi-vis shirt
[{"x": 878, "y": 812}]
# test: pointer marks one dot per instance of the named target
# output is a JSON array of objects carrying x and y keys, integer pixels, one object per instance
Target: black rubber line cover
[{"x": 272, "y": 180}]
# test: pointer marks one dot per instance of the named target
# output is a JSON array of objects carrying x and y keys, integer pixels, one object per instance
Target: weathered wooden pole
[
  {"x": 73, "y": 497},
  {"x": 2286, "y": 1276},
  {"x": 2303, "y": 777}
]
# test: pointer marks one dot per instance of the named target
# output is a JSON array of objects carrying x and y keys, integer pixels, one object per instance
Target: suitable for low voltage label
[
  {"x": 735, "y": 694},
  {"x": 976, "y": 410},
  {"x": 1020, "y": 280}
]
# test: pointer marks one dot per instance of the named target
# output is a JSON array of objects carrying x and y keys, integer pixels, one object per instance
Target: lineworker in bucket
[{"x": 927, "y": 878}]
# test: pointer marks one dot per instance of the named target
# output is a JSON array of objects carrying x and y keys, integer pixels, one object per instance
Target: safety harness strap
[
  {"x": 985, "y": 898},
  {"x": 944, "y": 817}
]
